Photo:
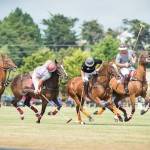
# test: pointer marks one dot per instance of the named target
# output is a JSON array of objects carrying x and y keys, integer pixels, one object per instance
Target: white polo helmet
[
  {"x": 122, "y": 48},
  {"x": 89, "y": 62}
]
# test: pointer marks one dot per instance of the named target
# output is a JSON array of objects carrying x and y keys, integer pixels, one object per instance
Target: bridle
[{"x": 6, "y": 69}]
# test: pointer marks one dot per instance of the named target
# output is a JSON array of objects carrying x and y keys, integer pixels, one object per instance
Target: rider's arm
[
  {"x": 44, "y": 78},
  {"x": 98, "y": 61}
]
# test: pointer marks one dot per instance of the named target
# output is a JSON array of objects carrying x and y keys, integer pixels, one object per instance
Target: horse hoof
[
  {"x": 37, "y": 115},
  {"x": 50, "y": 113},
  {"x": 38, "y": 121},
  {"x": 127, "y": 119},
  {"x": 22, "y": 118},
  {"x": 82, "y": 123},
  {"x": 120, "y": 119},
  {"x": 54, "y": 112},
  {"x": 95, "y": 113},
  {"x": 91, "y": 119},
  {"x": 142, "y": 112}
]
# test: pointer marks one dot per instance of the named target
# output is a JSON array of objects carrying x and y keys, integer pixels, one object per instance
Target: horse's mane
[{"x": 103, "y": 66}]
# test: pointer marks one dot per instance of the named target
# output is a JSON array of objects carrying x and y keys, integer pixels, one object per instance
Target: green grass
[{"x": 53, "y": 133}]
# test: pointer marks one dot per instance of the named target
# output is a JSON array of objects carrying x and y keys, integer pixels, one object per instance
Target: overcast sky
[{"x": 107, "y": 12}]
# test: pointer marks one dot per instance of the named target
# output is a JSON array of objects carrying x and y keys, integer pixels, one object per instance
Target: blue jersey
[{"x": 124, "y": 58}]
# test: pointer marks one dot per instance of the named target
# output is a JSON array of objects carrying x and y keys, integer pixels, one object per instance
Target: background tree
[
  {"x": 92, "y": 31},
  {"x": 36, "y": 59},
  {"x": 19, "y": 34},
  {"x": 106, "y": 49},
  {"x": 59, "y": 31},
  {"x": 111, "y": 32},
  {"x": 133, "y": 26},
  {"x": 73, "y": 62}
]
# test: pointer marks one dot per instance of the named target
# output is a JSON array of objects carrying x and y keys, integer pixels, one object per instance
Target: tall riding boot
[
  {"x": 126, "y": 85},
  {"x": 86, "y": 86}
]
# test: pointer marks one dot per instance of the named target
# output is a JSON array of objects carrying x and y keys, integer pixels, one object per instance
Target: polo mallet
[{"x": 141, "y": 27}]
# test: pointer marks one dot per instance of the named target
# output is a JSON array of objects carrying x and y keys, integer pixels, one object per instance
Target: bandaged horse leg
[
  {"x": 132, "y": 99},
  {"x": 113, "y": 108},
  {"x": 58, "y": 103},
  {"x": 116, "y": 101},
  {"x": 27, "y": 103},
  {"x": 100, "y": 111},
  {"x": 146, "y": 106},
  {"x": 110, "y": 106},
  {"x": 14, "y": 102},
  {"x": 87, "y": 114},
  {"x": 79, "y": 107}
]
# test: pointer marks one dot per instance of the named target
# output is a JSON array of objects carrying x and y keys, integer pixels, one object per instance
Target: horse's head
[
  {"x": 6, "y": 63},
  {"x": 144, "y": 58},
  {"x": 60, "y": 70}
]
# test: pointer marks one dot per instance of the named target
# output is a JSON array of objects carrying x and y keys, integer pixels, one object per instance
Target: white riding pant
[
  {"x": 126, "y": 71},
  {"x": 88, "y": 76},
  {"x": 35, "y": 81}
]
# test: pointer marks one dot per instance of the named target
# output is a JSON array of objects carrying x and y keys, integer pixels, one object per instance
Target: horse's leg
[
  {"x": 113, "y": 108},
  {"x": 14, "y": 102},
  {"x": 78, "y": 105},
  {"x": 87, "y": 114},
  {"x": 146, "y": 106},
  {"x": 132, "y": 99},
  {"x": 44, "y": 104},
  {"x": 0, "y": 101},
  {"x": 100, "y": 111},
  {"x": 116, "y": 101},
  {"x": 58, "y": 104},
  {"x": 27, "y": 103}
]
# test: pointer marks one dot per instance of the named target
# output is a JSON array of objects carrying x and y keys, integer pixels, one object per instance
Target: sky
[{"x": 108, "y": 12}]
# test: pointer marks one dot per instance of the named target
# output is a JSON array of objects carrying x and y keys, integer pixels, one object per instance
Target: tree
[
  {"x": 106, "y": 49},
  {"x": 133, "y": 26},
  {"x": 20, "y": 34},
  {"x": 92, "y": 31},
  {"x": 59, "y": 32},
  {"x": 73, "y": 62},
  {"x": 112, "y": 33},
  {"x": 36, "y": 59}
]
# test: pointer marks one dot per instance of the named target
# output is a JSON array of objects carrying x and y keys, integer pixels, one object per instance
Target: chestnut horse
[
  {"x": 137, "y": 86},
  {"x": 99, "y": 91},
  {"x": 22, "y": 86},
  {"x": 6, "y": 66}
]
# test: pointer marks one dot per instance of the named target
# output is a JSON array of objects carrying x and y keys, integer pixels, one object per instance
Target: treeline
[{"x": 29, "y": 46}]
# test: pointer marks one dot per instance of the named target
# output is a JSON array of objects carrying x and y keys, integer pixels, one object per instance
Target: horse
[
  {"x": 99, "y": 92},
  {"x": 22, "y": 86},
  {"x": 136, "y": 86},
  {"x": 6, "y": 66}
]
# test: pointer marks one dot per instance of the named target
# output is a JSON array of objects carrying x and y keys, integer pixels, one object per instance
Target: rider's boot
[{"x": 86, "y": 87}]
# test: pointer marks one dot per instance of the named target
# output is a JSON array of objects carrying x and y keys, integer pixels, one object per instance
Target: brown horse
[
  {"x": 22, "y": 85},
  {"x": 6, "y": 66},
  {"x": 99, "y": 91},
  {"x": 137, "y": 86}
]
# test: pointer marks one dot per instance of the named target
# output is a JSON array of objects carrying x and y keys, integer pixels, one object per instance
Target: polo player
[
  {"x": 125, "y": 60},
  {"x": 88, "y": 69},
  {"x": 41, "y": 74}
]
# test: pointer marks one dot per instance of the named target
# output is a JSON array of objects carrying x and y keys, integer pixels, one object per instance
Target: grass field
[{"x": 54, "y": 134}]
